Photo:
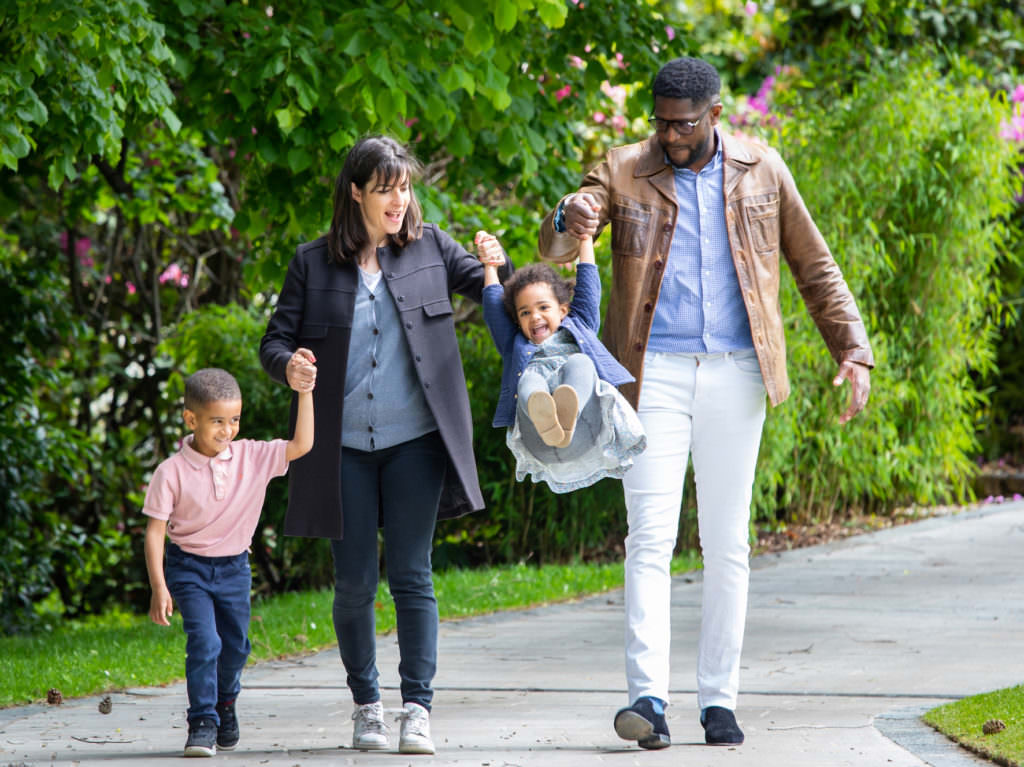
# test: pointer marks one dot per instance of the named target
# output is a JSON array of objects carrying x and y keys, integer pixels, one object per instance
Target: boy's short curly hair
[
  {"x": 210, "y": 385},
  {"x": 529, "y": 275}
]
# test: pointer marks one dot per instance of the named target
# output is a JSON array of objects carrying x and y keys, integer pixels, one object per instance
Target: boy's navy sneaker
[
  {"x": 644, "y": 722},
  {"x": 202, "y": 738},
  {"x": 227, "y": 731},
  {"x": 720, "y": 728}
]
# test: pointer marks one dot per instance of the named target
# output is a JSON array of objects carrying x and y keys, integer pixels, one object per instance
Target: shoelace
[
  {"x": 369, "y": 723},
  {"x": 416, "y": 721}
]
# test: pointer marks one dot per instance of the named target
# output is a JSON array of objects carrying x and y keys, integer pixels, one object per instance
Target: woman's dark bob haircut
[{"x": 380, "y": 160}]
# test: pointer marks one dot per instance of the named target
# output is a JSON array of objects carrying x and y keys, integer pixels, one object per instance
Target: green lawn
[
  {"x": 963, "y": 721},
  {"x": 123, "y": 650}
]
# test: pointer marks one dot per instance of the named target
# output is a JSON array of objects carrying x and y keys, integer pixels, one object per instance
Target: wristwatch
[{"x": 559, "y": 221}]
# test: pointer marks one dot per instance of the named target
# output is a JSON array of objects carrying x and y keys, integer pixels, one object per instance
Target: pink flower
[
  {"x": 620, "y": 62},
  {"x": 600, "y": 117},
  {"x": 577, "y": 62},
  {"x": 562, "y": 93},
  {"x": 670, "y": 33},
  {"x": 246, "y": 35},
  {"x": 231, "y": 153},
  {"x": 131, "y": 288},
  {"x": 171, "y": 274},
  {"x": 617, "y": 93},
  {"x": 1018, "y": 94},
  {"x": 750, "y": 8},
  {"x": 107, "y": 280},
  {"x": 1018, "y": 497},
  {"x": 254, "y": 130},
  {"x": 411, "y": 122},
  {"x": 619, "y": 123},
  {"x": 183, "y": 281}
]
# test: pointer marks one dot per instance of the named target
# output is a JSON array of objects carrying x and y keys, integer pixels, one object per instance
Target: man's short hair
[
  {"x": 210, "y": 385},
  {"x": 687, "y": 78}
]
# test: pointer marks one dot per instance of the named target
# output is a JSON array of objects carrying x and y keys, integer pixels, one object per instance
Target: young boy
[{"x": 207, "y": 500}]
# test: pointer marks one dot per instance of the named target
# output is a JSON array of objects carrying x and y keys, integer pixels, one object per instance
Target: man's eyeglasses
[{"x": 684, "y": 127}]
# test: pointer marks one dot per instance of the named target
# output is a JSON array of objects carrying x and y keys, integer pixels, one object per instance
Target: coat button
[
  {"x": 376, "y": 331},
  {"x": 401, "y": 298},
  {"x": 657, "y": 264},
  {"x": 418, "y": 358},
  {"x": 648, "y": 306},
  {"x": 373, "y": 297},
  {"x": 409, "y": 325},
  {"x": 667, "y": 228},
  {"x": 426, "y": 384},
  {"x": 369, "y": 395},
  {"x": 639, "y": 347}
]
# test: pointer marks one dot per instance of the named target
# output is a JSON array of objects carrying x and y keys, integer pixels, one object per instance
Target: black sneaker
[
  {"x": 645, "y": 723},
  {"x": 202, "y": 738},
  {"x": 227, "y": 732}
]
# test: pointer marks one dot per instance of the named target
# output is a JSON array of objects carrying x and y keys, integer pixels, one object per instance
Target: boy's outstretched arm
[
  {"x": 302, "y": 440},
  {"x": 160, "y": 604}
]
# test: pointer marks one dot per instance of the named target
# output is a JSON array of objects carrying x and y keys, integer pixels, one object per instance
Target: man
[{"x": 698, "y": 221}]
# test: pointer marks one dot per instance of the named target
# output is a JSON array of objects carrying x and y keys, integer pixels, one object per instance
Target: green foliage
[{"x": 903, "y": 177}]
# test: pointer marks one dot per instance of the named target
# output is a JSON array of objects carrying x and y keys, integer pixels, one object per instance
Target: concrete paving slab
[{"x": 846, "y": 645}]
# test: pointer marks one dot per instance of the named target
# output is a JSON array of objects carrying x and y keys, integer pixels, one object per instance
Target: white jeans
[{"x": 710, "y": 407}]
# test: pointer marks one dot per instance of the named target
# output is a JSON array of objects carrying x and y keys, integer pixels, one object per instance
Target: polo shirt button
[
  {"x": 409, "y": 325},
  {"x": 418, "y": 358},
  {"x": 369, "y": 395},
  {"x": 401, "y": 298},
  {"x": 376, "y": 332},
  {"x": 373, "y": 297},
  {"x": 426, "y": 384}
]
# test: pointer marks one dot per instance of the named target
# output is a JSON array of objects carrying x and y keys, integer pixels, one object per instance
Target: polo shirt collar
[{"x": 196, "y": 459}]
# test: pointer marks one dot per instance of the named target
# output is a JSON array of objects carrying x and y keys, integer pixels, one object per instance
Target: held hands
[
  {"x": 489, "y": 250},
  {"x": 581, "y": 215},
  {"x": 301, "y": 372},
  {"x": 859, "y": 377}
]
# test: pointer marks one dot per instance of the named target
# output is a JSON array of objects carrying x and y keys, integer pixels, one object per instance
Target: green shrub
[{"x": 909, "y": 181}]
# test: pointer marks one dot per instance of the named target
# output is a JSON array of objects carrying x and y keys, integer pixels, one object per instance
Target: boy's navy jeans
[
  {"x": 212, "y": 595},
  {"x": 401, "y": 484}
]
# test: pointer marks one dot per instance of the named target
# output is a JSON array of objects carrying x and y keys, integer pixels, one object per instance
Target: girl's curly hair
[{"x": 529, "y": 275}]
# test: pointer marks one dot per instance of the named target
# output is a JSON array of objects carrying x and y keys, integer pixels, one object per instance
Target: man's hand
[
  {"x": 859, "y": 377},
  {"x": 581, "y": 218}
]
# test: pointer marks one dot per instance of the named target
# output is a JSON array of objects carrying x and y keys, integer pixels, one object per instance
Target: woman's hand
[
  {"x": 489, "y": 250},
  {"x": 300, "y": 371}
]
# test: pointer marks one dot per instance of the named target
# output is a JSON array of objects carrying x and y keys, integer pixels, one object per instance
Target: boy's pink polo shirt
[{"x": 212, "y": 505}]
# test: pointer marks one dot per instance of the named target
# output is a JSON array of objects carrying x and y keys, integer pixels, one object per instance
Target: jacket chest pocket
[
  {"x": 631, "y": 227},
  {"x": 327, "y": 309},
  {"x": 761, "y": 215}
]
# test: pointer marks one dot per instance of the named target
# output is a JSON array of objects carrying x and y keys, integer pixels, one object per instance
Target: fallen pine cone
[
  {"x": 106, "y": 705},
  {"x": 992, "y": 726},
  {"x": 54, "y": 697}
]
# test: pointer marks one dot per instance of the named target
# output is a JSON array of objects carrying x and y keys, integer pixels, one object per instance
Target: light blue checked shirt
[{"x": 700, "y": 308}]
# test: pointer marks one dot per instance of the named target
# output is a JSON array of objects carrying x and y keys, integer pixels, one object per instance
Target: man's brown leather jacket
[{"x": 765, "y": 215}]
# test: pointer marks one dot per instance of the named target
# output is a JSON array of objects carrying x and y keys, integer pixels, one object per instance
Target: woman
[{"x": 394, "y": 435}]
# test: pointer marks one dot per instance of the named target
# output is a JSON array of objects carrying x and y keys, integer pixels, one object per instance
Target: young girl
[{"x": 568, "y": 424}]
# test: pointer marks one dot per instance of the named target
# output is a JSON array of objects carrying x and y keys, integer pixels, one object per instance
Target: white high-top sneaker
[
  {"x": 369, "y": 733},
  {"x": 415, "y": 737}
]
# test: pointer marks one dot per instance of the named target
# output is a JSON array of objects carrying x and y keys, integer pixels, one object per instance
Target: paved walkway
[{"x": 846, "y": 644}]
